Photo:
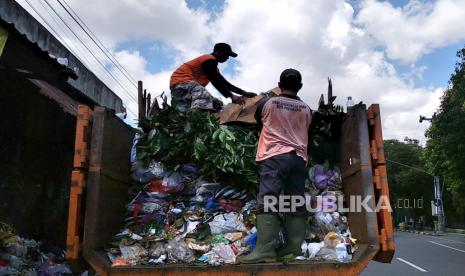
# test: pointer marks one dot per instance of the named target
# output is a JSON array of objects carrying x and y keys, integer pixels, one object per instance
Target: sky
[{"x": 398, "y": 53}]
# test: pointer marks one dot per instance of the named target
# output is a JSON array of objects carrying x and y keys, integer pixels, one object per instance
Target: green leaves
[
  {"x": 222, "y": 153},
  {"x": 445, "y": 149}
]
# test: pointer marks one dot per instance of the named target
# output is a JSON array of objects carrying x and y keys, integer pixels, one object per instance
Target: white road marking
[
  {"x": 449, "y": 240},
  {"x": 460, "y": 250},
  {"x": 412, "y": 265}
]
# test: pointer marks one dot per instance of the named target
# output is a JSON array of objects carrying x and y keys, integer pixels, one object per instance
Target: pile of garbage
[
  {"x": 194, "y": 200},
  {"x": 21, "y": 256}
]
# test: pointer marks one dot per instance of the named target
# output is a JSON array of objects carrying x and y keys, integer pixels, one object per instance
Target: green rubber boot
[
  {"x": 296, "y": 227},
  {"x": 268, "y": 227}
]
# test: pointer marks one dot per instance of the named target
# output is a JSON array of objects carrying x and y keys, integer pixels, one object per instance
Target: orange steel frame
[
  {"x": 78, "y": 180},
  {"x": 386, "y": 233}
]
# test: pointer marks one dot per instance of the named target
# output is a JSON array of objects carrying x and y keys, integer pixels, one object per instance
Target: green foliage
[
  {"x": 222, "y": 153},
  {"x": 405, "y": 182},
  {"x": 324, "y": 134},
  {"x": 445, "y": 150}
]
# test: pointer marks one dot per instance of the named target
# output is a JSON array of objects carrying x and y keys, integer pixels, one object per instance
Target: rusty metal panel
[
  {"x": 108, "y": 179},
  {"x": 357, "y": 175}
]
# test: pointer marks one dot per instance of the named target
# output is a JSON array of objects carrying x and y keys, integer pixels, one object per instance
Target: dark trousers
[{"x": 282, "y": 173}]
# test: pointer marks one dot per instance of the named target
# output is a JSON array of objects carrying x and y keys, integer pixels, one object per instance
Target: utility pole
[{"x": 439, "y": 208}]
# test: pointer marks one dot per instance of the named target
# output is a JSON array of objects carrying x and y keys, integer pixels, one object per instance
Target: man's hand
[
  {"x": 237, "y": 100},
  {"x": 249, "y": 94}
]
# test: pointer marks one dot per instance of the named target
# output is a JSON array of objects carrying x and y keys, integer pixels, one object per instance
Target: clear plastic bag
[
  {"x": 179, "y": 251},
  {"x": 227, "y": 223}
]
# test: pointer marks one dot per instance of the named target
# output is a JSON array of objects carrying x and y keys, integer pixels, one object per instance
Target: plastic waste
[
  {"x": 179, "y": 251},
  {"x": 132, "y": 252},
  {"x": 191, "y": 243},
  {"x": 227, "y": 223},
  {"x": 252, "y": 240},
  {"x": 140, "y": 173},
  {"x": 332, "y": 240},
  {"x": 229, "y": 192},
  {"x": 232, "y": 237},
  {"x": 173, "y": 182},
  {"x": 341, "y": 252},
  {"x": 225, "y": 252},
  {"x": 157, "y": 249},
  {"x": 328, "y": 254},
  {"x": 159, "y": 260},
  {"x": 219, "y": 239},
  {"x": 231, "y": 205},
  {"x": 310, "y": 250},
  {"x": 49, "y": 268}
]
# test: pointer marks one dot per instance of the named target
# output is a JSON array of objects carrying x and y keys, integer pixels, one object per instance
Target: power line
[
  {"x": 413, "y": 168},
  {"x": 90, "y": 51},
  {"x": 57, "y": 34},
  {"x": 83, "y": 58},
  {"x": 97, "y": 42}
]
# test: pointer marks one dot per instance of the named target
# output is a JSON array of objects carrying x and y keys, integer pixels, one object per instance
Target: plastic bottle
[
  {"x": 350, "y": 102},
  {"x": 341, "y": 252}
]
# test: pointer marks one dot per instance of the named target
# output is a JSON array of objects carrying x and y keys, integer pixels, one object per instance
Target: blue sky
[
  {"x": 439, "y": 63},
  {"x": 397, "y": 53}
]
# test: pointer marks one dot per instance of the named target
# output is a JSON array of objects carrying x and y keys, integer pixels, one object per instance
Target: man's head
[
  {"x": 222, "y": 52},
  {"x": 290, "y": 80}
]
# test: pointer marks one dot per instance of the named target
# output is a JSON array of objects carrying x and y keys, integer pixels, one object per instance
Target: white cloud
[
  {"x": 416, "y": 29},
  {"x": 320, "y": 38}
]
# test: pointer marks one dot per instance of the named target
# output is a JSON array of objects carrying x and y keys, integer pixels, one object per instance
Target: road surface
[{"x": 418, "y": 254}]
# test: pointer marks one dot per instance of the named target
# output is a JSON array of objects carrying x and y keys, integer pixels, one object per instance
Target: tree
[
  {"x": 407, "y": 183},
  {"x": 445, "y": 149}
]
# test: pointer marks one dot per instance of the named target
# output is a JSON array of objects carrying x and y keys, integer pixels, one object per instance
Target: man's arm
[
  {"x": 231, "y": 87},
  {"x": 210, "y": 67}
]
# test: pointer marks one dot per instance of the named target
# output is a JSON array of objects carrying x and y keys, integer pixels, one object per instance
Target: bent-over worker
[{"x": 188, "y": 82}]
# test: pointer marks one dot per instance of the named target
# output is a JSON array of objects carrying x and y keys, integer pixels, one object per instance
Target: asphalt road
[{"x": 418, "y": 254}]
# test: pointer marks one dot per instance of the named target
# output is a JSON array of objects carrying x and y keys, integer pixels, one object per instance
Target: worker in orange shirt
[
  {"x": 282, "y": 153},
  {"x": 188, "y": 82}
]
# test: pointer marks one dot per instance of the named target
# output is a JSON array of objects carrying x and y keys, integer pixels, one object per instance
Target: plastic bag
[
  {"x": 234, "y": 236},
  {"x": 229, "y": 192},
  {"x": 179, "y": 251},
  {"x": 157, "y": 249},
  {"x": 309, "y": 250},
  {"x": 173, "y": 182},
  {"x": 132, "y": 252},
  {"x": 191, "y": 243},
  {"x": 227, "y": 223},
  {"x": 231, "y": 205},
  {"x": 332, "y": 240},
  {"x": 142, "y": 174},
  {"x": 252, "y": 240},
  {"x": 328, "y": 254},
  {"x": 211, "y": 258},
  {"x": 225, "y": 252},
  {"x": 205, "y": 191},
  {"x": 49, "y": 268},
  {"x": 341, "y": 253},
  {"x": 219, "y": 239},
  {"x": 157, "y": 169}
]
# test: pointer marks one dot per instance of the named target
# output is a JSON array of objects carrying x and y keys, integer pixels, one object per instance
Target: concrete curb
[
  {"x": 420, "y": 232},
  {"x": 432, "y": 233}
]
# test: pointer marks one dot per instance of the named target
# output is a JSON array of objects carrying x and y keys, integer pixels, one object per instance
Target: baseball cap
[
  {"x": 225, "y": 47},
  {"x": 290, "y": 76}
]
